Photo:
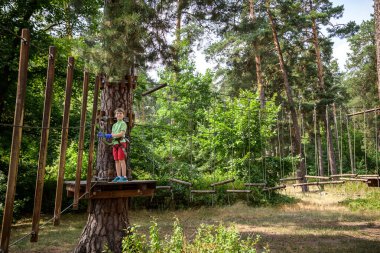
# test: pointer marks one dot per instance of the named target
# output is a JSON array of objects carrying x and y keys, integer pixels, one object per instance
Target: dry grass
[{"x": 316, "y": 223}]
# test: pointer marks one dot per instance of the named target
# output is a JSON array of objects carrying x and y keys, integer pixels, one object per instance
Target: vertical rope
[
  {"x": 249, "y": 140},
  {"x": 365, "y": 141},
  {"x": 170, "y": 133},
  {"x": 279, "y": 148},
  {"x": 341, "y": 140},
  {"x": 291, "y": 145},
  {"x": 354, "y": 148},
  {"x": 261, "y": 147},
  {"x": 350, "y": 146},
  {"x": 376, "y": 143},
  {"x": 303, "y": 137},
  {"x": 315, "y": 140}
]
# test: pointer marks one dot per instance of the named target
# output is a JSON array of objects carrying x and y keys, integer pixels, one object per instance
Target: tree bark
[
  {"x": 106, "y": 226},
  {"x": 320, "y": 151},
  {"x": 288, "y": 90},
  {"x": 321, "y": 86},
  {"x": 377, "y": 29},
  {"x": 260, "y": 86},
  {"x": 108, "y": 218}
]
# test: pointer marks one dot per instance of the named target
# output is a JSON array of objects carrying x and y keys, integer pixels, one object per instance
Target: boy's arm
[{"x": 119, "y": 135}]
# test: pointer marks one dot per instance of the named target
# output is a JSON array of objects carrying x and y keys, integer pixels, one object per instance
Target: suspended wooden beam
[
  {"x": 203, "y": 191},
  {"x": 354, "y": 179},
  {"x": 365, "y": 111},
  {"x": 82, "y": 123},
  {"x": 160, "y": 86},
  {"x": 255, "y": 184},
  {"x": 343, "y": 175},
  {"x": 290, "y": 179},
  {"x": 274, "y": 188},
  {"x": 16, "y": 140},
  {"x": 223, "y": 182},
  {"x": 317, "y": 177},
  {"x": 369, "y": 176},
  {"x": 64, "y": 134},
  {"x": 43, "y": 145},
  {"x": 163, "y": 187},
  {"x": 318, "y": 183},
  {"x": 238, "y": 191},
  {"x": 180, "y": 182}
]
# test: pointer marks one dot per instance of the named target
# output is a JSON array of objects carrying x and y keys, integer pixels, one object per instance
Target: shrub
[{"x": 208, "y": 238}]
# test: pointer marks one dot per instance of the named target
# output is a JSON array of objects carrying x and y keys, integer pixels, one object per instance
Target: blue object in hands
[
  {"x": 108, "y": 136},
  {"x": 100, "y": 135}
]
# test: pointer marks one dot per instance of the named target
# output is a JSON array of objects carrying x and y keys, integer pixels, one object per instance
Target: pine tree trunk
[
  {"x": 320, "y": 151},
  {"x": 108, "y": 218},
  {"x": 288, "y": 90},
  {"x": 321, "y": 84},
  {"x": 106, "y": 226},
  {"x": 377, "y": 29},
  {"x": 260, "y": 85}
]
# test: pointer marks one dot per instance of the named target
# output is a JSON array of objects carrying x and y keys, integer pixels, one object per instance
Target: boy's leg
[
  {"x": 118, "y": 168},
  {"x": 123, "y": 168}
]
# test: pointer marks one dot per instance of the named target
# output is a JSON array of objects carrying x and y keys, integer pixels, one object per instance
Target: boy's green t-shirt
[{"x": 119, "y": 126}]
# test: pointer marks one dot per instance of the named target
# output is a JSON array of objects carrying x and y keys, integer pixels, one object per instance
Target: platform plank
[{"x": 100, "y": 190}]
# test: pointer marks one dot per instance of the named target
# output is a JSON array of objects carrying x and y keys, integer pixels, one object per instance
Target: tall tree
[
  {"x": 321, "y": 80},
  {"x": 129, "y": 37},
  {"x": 377, "y": 25},
  {"x": 301, "y": 171},
  {"x": 260, "y": 84}
]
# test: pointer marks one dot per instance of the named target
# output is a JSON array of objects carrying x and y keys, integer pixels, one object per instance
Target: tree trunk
[
  {"x": 321, "y": 84},
  {"x": 320, "y": 151},
  {"x": 260, "y": 86},
  {"x": 106, "y": 226},
  {"x": 288, "y": 90},
  {"x": 108, "y": 218},
  {"x": 377, "y": 29}
]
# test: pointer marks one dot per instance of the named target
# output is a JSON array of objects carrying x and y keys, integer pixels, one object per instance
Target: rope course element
[{"x": 48, "y": 221}]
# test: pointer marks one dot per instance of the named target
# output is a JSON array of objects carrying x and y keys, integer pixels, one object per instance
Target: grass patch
[{"x": 370, "y": 202}]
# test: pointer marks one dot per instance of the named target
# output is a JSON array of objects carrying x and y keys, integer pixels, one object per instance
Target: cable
[{"x": 48, "y": 221}]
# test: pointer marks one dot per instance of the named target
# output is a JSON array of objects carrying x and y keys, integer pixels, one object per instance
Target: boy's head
[{"x": 119, "y": 111}]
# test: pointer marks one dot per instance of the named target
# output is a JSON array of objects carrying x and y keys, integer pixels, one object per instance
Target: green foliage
[
  {"x": 208, "y": 238},
  {"x": 370, "y": 202}
]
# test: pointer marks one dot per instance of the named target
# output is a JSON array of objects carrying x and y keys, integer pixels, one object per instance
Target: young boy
[{"x": 118, "y": 140}]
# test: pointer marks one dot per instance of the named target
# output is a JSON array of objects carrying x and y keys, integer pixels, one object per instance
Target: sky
[{"x": 354, "y": 10}]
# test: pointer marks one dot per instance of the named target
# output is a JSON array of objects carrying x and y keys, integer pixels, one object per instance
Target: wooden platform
[
  {"x": 102, "y": 190},
  {"x": 373, "y": 182}
]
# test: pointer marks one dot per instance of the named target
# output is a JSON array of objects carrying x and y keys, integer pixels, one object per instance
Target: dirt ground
[{"x": 317, "y": 222}]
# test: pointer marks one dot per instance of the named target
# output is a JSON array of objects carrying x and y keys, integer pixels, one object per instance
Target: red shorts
[{"x": 117, "y": 151}]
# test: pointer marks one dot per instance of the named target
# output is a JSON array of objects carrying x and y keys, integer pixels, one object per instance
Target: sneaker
[
  {"x": 116, "y": 179},
  {"x": 122, "y": 180}
]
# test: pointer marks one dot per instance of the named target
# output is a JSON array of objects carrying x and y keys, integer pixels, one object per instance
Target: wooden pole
[
  {"x": 65, "y": 130},
  {"x": 81, "y": 140},
  {"x": 43, "y": 145},
  {"x": 362, "y": 112},
  {"x": 160, "y": 86},
  {"x": 92, "y": 135},
  {"x": 16, "y": 140}
]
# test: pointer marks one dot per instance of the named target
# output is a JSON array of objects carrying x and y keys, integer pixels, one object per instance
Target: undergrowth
[
  {"x": 370, "y": 202},
  {"x": 208, "y": 238}
]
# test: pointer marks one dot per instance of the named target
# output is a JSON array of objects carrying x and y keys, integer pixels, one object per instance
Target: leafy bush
[{"x": 208, "y": 238}]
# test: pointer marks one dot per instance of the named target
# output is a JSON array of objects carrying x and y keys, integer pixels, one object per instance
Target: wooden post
[
  {"x": 16, "y": 140},
  {"x": 81, "y": 140},
  {"x": 65, "y": 130},
  {"x": 43, "y": 145},
  {"x": 92, "y": 135}
]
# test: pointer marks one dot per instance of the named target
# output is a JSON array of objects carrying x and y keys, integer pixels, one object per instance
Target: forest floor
[{"x": 315, "y": 222}]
